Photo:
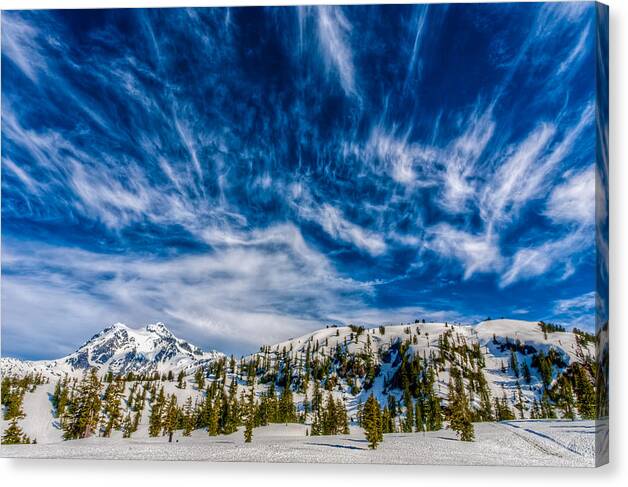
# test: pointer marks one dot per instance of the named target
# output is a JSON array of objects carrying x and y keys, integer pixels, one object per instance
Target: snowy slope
[{"x": 490, "y": 335}]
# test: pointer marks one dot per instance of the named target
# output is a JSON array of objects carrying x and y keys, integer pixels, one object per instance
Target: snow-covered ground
[{"x": 519, "y": 443}]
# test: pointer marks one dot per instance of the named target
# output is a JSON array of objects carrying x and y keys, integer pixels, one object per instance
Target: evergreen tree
[
  {"x": 460, "y": 412},
  {"x": 213, "y": 427},
  {"x": 181, "y": 380},
  {"x": 330, "y": 419},
  {"x": 112, "y": 408},
  {"x": 565, "y": 398},
  {"x": 85, "y": 412},
  {"x": 372, "y": 422},
  {"x": 520, "y": 404},
  {"x": 250, "y": 415},
  {"x": 585, "y": 393},
  {"x": 14, "y": 435},
  {"x": 485, "y": 413},
  {"x": 156, "y": 412},
  {"x": 230, "y": 412},
  {"x": 408, "y": 424},
  {"x": 199, "y": 377},
  {"x": 13, "y": 403},
  {"x": 420, "y": 412},
  {"x": 171, "y": 417},
  {"x": 287, "y": 410},
  {"x": 127, "y": 426},
  {"x": 342, "y": 417},
  {"x": 547, "y": 410},
  {"x": 514, "y": 363},
  {"x": 188, "y": 417},
  {"x": 60, "y": 397},
  {"x": 527, "y": 376},
  {"x": 388, "y": 422},
  {"x": 435, "y": 418},
  {"x": 502, "y": 411}
]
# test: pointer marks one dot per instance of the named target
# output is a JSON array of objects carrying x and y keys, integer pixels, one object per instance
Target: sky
[{"x": 246, "y": 175}]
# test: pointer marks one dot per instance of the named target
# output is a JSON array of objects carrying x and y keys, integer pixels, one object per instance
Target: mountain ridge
[
  {"x": 506, "y": 369},
  {"x": 120, "y": 349}
]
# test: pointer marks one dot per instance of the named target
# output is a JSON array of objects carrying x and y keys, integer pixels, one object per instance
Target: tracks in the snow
[{"x": 526, "y": 436}]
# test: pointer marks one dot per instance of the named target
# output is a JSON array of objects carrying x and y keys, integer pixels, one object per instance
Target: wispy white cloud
[
  {"x": 574, "y": 200},
  {"x": 534, "y": 261},
  {"x": 415, "y": 64},
  {"x": 575, "y": 53},
  {"x": 20, "y": 43},
  {"x": 407, "y": 163},
  {"x": 517, "y": 178},
  {"x": 460, "y": 158},
  {"x": 22, "y": 175},
  {"x": 583, "y": 302},
  {"x": 334, "y": 31},
  {"x": 477, "y": 253},
  {"x": 334, "y": 223},
  {"x": 337, "y": 226},
  {"x": 578, "y": 311}
]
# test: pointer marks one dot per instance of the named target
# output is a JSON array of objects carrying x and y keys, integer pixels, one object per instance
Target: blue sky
[{"x": 248, "y": 175}]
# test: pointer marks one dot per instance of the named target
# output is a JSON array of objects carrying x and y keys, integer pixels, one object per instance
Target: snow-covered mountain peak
[
  {"x": 117, "y": 326},
  {"x": 121, "y": 349},
  {"x": 159, "y": 328}
]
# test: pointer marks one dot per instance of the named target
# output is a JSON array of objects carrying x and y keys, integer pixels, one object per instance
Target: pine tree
[
  {"x": 127, "y": 426},
  {"x": 585, "y": 393},
  {"x": 171, "y": 417},
  {"x": 547, "y": 411},
  {"x": 287, "y": 410},
  {"x": 514, "y": 363},
  {"x": 485, "y": 413},
  {"x": 181, "y": 380},
  {"x": 460, "y": 413},
  {"x": 230, "y": 412},
  {"x": 565, "y": 398},
  {"x": 60, "y": 397},
  {"x": 199, "y": 377},
  {"x": 420, "y": 412},
  {"x": 213, "y": 427},
  {"x": 502, "y": 410},
  {"x": 408, "y": 424},
  {"x": 112, "y": 409},
  {"x": 330, "y": 421},
  {"x": 83, "y": 420},
  {"x": 435, "y": 422},
  {"x": 13, "y": 400},
  {"x": 520, "y": 404},
  {"x": 14, "y": 435},
  {"x": 250, "y": 416},
  {"x": 188, "y": 417},
  {"x": 527, "y": 376},
  {"x": 156, "y": 413},
  {"x": 372, "y": 422},
  {"x": 342, "y": 417},
  {"x": 388, "y": 423},
  {"x": 317, "y": 407}
]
